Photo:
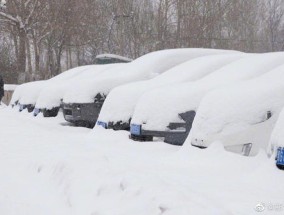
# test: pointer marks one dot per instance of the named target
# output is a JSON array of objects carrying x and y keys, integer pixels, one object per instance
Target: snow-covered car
[
  {"x": 27, "y": 94},
  {"x": 242, "y": 116},
  {"x": 50, "y": 97},
  {"x": 111, "y": 59},
  {"x": 276, "y": 144},
  {"x": 84, "y": 103},
  {"x": 120, "y": 104},
  {"x": 168, "y": 112}
]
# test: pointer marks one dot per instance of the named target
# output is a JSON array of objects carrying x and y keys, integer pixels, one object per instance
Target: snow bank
[
  {"x": 51, "y": 95},
  {"x": 143, "y": 68},
  {"x": 240, "y": 114},
  {"x": 28, "y": 93},
  {"x": 10, "y": 87},
  {"x": 120, "y": 103},
  {"x": 156, "y": 111},
  {"x": 47, "y": 168}
]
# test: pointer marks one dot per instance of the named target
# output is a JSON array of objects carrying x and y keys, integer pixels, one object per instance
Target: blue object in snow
[
  {"x": 135, "y": 129},
  {"x": 36, "y": 111},
  {"x": 103, "y": 124},
  {"x": 280, "y": 157}
]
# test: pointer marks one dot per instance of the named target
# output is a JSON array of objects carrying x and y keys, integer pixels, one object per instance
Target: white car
[
  {"x": 84, "y": 103},
  {"x": 26, "y": 94},
  {"x": 276, "y": 144},
  {"x": 168, "y": 112},
  {"x": 242, "y": 116},
  {"x": 120, "y": 104}
]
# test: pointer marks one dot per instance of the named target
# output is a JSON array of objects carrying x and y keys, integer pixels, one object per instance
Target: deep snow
[
  {"x": 237, "y": 114},
  {"x": 155, "y": 110},
  {"x": 50, "y": 168},
  {"x": 29, "y": 92},
  {"x": 121, "y": 101},
  {"x": 52, "y": 94},
  {"x": 143, "y": 68}
]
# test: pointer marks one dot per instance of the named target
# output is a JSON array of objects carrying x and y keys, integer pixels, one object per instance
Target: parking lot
[{"x": 50, "y": 168}]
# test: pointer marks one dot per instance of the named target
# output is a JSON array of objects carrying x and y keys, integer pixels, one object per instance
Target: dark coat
[{"x": 1, "y": 87}]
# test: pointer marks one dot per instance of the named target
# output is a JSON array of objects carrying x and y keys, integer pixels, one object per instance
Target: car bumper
[
  {"x": 50, "y": 112},
  {"x": 176, "y": 135},
  {"x": 29, "y": 107},
  {"x": 172, "y": 137},
  {"x": 87, "y": 112}
]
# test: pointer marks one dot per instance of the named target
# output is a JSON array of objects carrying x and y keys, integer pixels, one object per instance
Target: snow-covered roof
[
  {"x": 120, "y": 103},
  {"x": 28, "y": 93},
  {"x": 143, "y": 68},
  {"x": 242, "y": 113},
  {"x": 10, "y": 87},
  {"x": 52, "y": 94},
  {"x": 103, "y": 56},
  {"x": 161, "y": 106}
]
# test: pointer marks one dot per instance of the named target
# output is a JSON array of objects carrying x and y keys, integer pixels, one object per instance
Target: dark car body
[
  {"x": 83, "y": 114},
  {"x": 30, "y": 108},
  {"x": 175, "y": 135},
  {"x": 110, "y": 59}
]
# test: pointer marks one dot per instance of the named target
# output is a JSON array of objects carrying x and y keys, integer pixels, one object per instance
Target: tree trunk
[
  {"x": 29, "y": 76},
  {"x": 37, "y": 55},
  {"x": 22, "y": 52}
]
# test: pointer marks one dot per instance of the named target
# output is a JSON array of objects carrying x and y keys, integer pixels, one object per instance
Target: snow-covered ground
[{"x": 48, "y": 168}]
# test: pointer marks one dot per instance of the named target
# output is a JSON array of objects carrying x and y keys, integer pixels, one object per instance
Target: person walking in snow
[{"x": 1, "y": 88}]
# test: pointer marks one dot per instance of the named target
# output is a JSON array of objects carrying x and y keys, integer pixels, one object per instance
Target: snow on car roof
[
  {"x": 158, "y": 110},
  {"x": 234, "y": 109},
  {"x": 31, "y": 91},
  {"x": 143, "y": 68},
  {"x": 28, "y": 93},
  {"x": 52, "y": 94},
  {"x": 120, "y": 103},
  {"x": 28, "y": 90},
  {"x": 103, "y": 56}
]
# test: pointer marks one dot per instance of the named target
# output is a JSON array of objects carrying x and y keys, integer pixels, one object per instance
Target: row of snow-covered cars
[{"x": 195, "y": 96}]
